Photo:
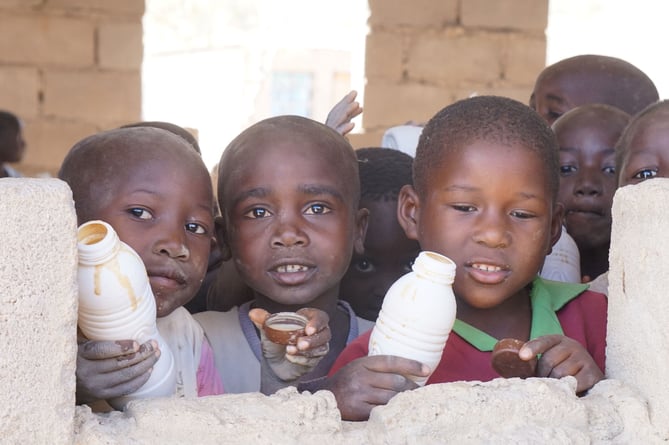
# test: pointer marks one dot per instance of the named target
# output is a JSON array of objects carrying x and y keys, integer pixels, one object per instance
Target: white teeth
[
  {"x": 291, "y": 268},
  {"x": 487, "y": 267}
]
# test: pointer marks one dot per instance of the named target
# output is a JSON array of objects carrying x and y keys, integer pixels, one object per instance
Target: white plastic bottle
[
  {"x": 418, "y": 313},
  {"x": 116, "y": 302}
]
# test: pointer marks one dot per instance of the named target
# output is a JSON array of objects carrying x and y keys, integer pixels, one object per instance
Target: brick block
[
  {"x": 637, "y": 342},
  {"x": 419, "y": 13},
  {"x": 384, "y": 55},
  {"x": 388, "y": 104},
  {"x": 48, "y": 141},
  {"x": 120, "y": 46},
  {"x": 115, "y": 7},
  {"x": 521, "y": 93},
  {"x": 38, "y": 311},
  {"x": 366, "y": 139},
  {"x": 20, "y": 4},
  {"x": 452, "y": 58},
  {"x": 19, "y": 91},
  {"x": 46, "y": 40},
  {"x": 91, "y": 96},
  {"x": 525, "y": 57},
  {"x": 506, "y": 14}
]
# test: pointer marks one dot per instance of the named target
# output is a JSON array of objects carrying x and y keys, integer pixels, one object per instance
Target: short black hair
[
  {"x": 9, "y": 121},
  {"x": 383, "y": 172},
  {"x": 172, "y": 128},
  {"x": 621, "y": 148},
  {"x": 490, "y": 118}
]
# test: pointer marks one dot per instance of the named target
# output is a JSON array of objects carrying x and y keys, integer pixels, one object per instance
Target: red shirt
[{"x": 582, "y": 319}]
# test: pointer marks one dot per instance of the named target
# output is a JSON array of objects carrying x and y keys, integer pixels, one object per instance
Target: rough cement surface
[
  {"x": 38, "y": 311},
  {"x": 283, "y": 418},
  {"x": 638, "y": 337},
  {"x": 515, "y": 411}
]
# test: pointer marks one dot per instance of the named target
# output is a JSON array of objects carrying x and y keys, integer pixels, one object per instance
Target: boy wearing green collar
[{"x": 485, "y": 195}]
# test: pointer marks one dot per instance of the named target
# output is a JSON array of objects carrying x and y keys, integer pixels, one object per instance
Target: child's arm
[
  {"x": 109, "y": 369},
  {"x": 563, "y": 356},
  {"x": 342, "y": 113},
  {"x": 370, "y": 381},
  {"x": 290, "y": 362}
]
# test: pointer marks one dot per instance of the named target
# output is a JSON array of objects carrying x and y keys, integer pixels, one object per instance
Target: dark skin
[
  {"x": 168, "y": 220},
  {"x": 647, "y": 148},
  {"x": 155, "y": 191},
  {"x": 388, "y": 255},
  {"x": 12, "y": 146},
  {"x": 587, "y": 136},
  {"x": 503, "y": 222},
  {"x": 291, "y": 223},
  {"x": 590, "y": 79}
]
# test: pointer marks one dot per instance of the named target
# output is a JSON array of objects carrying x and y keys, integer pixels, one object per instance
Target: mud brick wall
[
  {"x": 69, "y": 68},
  {"x": 423, "y": 55}
]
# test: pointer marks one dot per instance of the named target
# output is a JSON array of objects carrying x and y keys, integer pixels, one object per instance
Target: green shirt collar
[{"x": 546, "y": 298}]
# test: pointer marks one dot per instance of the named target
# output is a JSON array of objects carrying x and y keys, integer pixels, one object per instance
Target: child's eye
[
  {"x": 364, "y": 265},
  {"x": 463, "y": 207},
  {"x": 140, "y": 213},
  {"x": 257, "y": 213},
  {"x": 553, "y": 115},
  {"x": 317, "y": 209},
  {"x": 646, "y": 173},
  {"x": 522, "y": 214},
  {"x": 609, "y": 170},
  {"x": 196, "y": 228},
  {"x": 568, "y": 170}
]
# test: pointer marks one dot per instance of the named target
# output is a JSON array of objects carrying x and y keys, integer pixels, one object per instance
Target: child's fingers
[
  {"x": 539, "y": 346},
  {"x": 315, "y": 340},
  {"x": 98, "y": 350},
  {"x": 258, "y": 317},
  {"x": 147, "y": 352},
  {"x": 317, "y": 320},
  {"x": 396, "y": 365}
]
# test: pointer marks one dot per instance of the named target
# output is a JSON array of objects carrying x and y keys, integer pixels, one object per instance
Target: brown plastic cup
[
  {"x": 285, "y": 328},
  {"x": 507, "y": 362}
]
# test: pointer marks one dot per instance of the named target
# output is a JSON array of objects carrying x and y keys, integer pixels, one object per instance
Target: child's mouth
[
  {"x": 486, "y": 273},
  {"x": 291, "y": 274}
]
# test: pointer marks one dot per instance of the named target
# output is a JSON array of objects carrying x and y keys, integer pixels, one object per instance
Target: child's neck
[
  {"x": 511, "y": 319},
  {"x": 594, "y": 262}
]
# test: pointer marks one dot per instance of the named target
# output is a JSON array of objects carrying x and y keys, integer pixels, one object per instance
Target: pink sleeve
[{"x": 208, "y": 381}]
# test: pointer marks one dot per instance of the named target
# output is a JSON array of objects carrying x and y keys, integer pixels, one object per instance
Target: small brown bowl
[
  {"x": 507, "y": 363},
  {"x": 285, "y": 328}
]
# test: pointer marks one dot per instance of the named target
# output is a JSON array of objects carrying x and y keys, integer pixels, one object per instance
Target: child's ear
[
  {"x": 221, "y": 239},
  {"x": 407, "y": 211},
  {"x": 361, "y": 220},
  {"x": 556, "y": 225}
]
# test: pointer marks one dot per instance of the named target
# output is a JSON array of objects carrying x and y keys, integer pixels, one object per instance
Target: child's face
[
  {"x": 163, "y": 210},
  {"x": 558, "y": 91},
  {"x": 490, "y": 210},
  {"x": 291, "y": 221},
  {"x": 587, "y": 180},
  {"x": 647, "y": 152},
  {"x": 388, "y": 255},
  {"x": 12, "y": 146}
]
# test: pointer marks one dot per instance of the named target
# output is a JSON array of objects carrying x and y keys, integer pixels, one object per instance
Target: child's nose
[
  {"x": 288, "y": 232},
  {"x": 491, "y": 230},
  {"x": 173, "y": 244},
  {"x": 588, "y": 185}
]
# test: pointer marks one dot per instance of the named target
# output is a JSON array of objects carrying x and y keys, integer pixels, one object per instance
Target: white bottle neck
[
  {"x": 435, "y": 267},
  {"x": 97, "y": 243}
]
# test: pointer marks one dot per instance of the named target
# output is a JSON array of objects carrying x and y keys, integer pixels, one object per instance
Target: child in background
[
  {"x": 586, "y": 137},
  {"x": 388, "y": 252},
  {"x": 12, "y": 145},
  {"x": 643, "y": 149},
  {"x": 288, "y": 190},
  {"x": 485, "y": 195},
  {"x": 588, "y": 79}
]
